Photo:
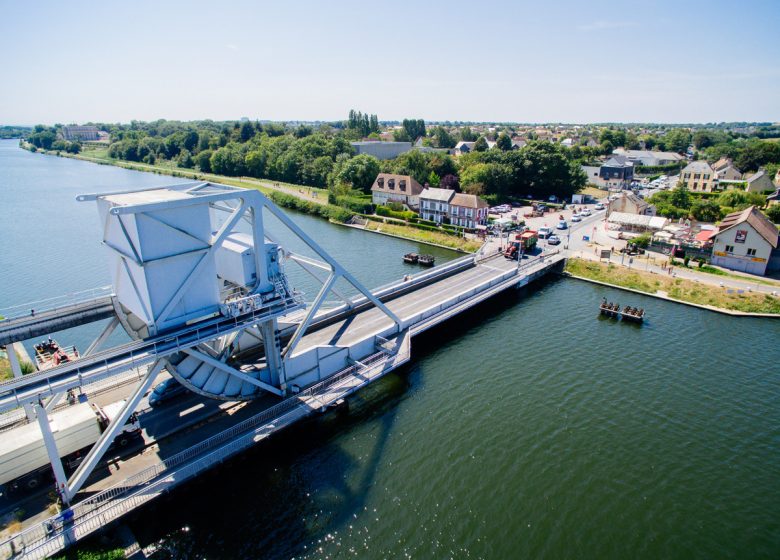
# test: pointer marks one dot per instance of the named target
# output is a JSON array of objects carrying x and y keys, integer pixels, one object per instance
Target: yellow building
[{"x": 698, "y": 176}]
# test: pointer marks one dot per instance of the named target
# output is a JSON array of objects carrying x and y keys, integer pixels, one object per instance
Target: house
[
  {"x": 518, "y": 143},
  {"x": 647, "y": 157},
  {"x": 396, "y": 188},
  {"x": 617, "y": 172},
  {"x": 698, "y": 176},
  {"x": 381, "y": 150},
  {"x": 722, "y": 163},
  {"x": 629, "y": 203},
  {"x": 728, "y": 173},
  {"x": 759, "y": 182},
  {"x": 435, "y": 204},
  {"x": 592, "y": 173},
  {"x": 774, "y": 198},
  {"x": 463, "y": 148},
  {"x": 80, "y": 133},
  {"x": 468, "y": 210},
  {"x": 745, "y": 241}
]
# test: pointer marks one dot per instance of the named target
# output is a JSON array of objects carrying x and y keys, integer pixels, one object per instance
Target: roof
[
  {"x": 460, "y": 144},
  {"x": 757, "y": 175},
  {"x": 722, "y": 163},
  {"x": 382, "y": 183},
  {"x": 756, "y": 220},
  {"x": 624, "y": 218},
  {"x": 775, "y": 195},
  {"x": 617, "y": 161},
  {"x": 704, "y": 235},
  {"x": 640, "y": 203},
  {"x": 700, "y": 166},
  {"x": 440, "y": 195},
  {"x": 648, "y": 154},
  {"x": 468, "y": 201}
]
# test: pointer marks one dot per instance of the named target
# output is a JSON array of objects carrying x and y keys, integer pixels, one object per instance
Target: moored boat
[
  {"x": 49, "y": 354},
  {"x": 411, "y": 258},
  {"x": 426, "y": 260}
]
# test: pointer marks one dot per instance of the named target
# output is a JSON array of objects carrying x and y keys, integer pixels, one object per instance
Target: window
[
  {"x": 751, "y": 252},
  {"x": 729, "y": 248}
]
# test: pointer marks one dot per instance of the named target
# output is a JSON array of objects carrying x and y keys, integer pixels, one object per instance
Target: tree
[
  {"x": 677, "y": 140},
  {"x": 442, "y": 138},
  {"x": 358, "y": 172},
  {"x": 705, "y": 210},
  {"x": 773, "y": 213},
  {"x": 467, "y": 135},
  {"x": 680, "y": 196},
  {"x": 203, "y": 160},
  {"x": 487, "y": 178},
  {"x": 504, "y": 142},
  {"x": 247, "y": 131},
  {"x": 481, "y": 145},
  {"x": 414, "y": 128},
  {"x": 451, "y": 182},
  {"x": 433, "y": 180}
]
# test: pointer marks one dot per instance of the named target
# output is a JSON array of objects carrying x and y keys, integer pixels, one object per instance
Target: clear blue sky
[{"x": 529, "y": 61}]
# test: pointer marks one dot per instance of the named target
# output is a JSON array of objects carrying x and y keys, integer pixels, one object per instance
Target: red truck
[{"x": 522, "y": 243}]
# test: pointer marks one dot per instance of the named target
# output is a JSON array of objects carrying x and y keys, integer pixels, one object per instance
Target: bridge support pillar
[
  {"x": 16, "y": 368},
  {"x": 273, "y": 352},
  {"x": 54, "y": 454}
]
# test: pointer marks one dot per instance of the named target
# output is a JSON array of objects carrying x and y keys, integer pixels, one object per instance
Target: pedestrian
[{"x": 32, "y": 312}]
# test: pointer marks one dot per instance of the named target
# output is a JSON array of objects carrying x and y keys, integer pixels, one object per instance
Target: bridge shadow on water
[{"x": 280, "y": 498}]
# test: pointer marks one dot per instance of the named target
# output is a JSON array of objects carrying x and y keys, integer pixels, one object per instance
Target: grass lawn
[
  {"x": 594, "y": 192},
  {"x": 677, "y": 288},
  {"x": 468, "y": 245}
]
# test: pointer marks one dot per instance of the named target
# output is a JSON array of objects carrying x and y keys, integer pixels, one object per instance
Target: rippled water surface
[{"x": 527, "y": 428}]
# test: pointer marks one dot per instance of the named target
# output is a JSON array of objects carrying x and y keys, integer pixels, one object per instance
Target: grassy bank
[
  {"x": 434, "y": 237},
  {"x": 676, "y": 288}
]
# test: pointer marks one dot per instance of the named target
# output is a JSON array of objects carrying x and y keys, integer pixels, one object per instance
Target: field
[{"x": 675, "y": 288}]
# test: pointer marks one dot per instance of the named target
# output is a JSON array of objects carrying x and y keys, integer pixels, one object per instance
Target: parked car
[
  {"x": 562, "y": 225},
  {"x": 599, "y": 206},
  {"x": 165, "y": 391},
  {"x": 544, "y": 232},
  {"x": 576, "y": 218},
  {"x": 553, "y": 240}
]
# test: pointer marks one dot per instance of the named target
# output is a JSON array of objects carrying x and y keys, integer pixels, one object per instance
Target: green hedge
[
  {"x": 327, "y": 211},
  {"x": 360, "y": 205},
  {"x": 385, "y": 211}
]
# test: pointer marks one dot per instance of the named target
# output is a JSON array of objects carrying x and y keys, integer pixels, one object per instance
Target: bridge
[{"x": 261, "y": 342}]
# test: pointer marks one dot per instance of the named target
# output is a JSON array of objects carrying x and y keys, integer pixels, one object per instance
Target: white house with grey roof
[{"x": 435, "y": 204}]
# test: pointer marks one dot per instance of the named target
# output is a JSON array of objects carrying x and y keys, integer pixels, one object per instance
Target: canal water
[{"x": 529, "y": 427}]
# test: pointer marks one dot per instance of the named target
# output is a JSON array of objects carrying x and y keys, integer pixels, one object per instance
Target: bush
[
  {"x": 327, "y": 211},
  {"x": 686, "y": 260},
  {"x": 643, "y": 240},
  {"x": 385, "y": 211},
  {"x": 773, "y": 213},
  {"x": 354, "y": 203}
]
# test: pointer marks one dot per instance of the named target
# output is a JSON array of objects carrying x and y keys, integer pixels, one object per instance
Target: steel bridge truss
[{"x": 207, "y": 341}]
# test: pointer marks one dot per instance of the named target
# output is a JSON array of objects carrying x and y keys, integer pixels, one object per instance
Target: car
[
  {"x": 562, "y": 225},
  {"x": 544, "y": 232},
  {"x": 166, "y": 391},
  {"x": 552, "y": 198},
  {"x": 576, "y": 218},
  {"x": 585, "y": 212},
  {"x": 553, "y": 240},
  {"x": 599, "y": 206}
]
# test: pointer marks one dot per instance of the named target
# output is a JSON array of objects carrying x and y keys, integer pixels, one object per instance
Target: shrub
[
  {"x": 643, "y": 240},
  {"x": 353, "y": 203},
  {"x": 686, "y": 260},
  {"x": 385, "y": 211},
  {"x": 327, "y": 211}
]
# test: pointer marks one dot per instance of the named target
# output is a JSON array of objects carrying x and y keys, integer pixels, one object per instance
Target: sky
[{"x": 478, "y": 60}]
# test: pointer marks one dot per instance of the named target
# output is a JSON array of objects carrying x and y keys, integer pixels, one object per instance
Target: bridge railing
[
  {"x": 33, "y": 308},
  {"x": 53, "y": 534}
]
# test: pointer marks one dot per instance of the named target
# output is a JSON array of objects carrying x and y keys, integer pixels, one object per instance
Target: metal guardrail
[
  {"x": 53, "y": 534},
  {"x": 54, "y": 304},
  {"x": 135, "y": 354}
]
